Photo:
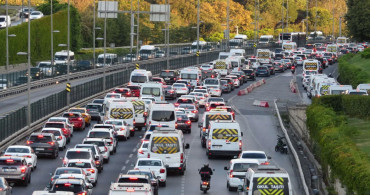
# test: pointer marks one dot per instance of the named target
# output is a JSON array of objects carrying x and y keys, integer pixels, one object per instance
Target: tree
[{"x": 357, "y": 18}]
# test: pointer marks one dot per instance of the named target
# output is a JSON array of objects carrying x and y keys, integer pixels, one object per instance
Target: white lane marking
[
  {"x": 134, "y": 150},
  {"x": 138, "y": 145},
  {"x": 123, "y": 168},
  {"x": 127, "y": 161},
  {"x": 130, "y": 156}
]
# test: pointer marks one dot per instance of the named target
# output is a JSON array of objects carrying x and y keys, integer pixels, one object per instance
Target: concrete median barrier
[{"x": 250, "y": 88}]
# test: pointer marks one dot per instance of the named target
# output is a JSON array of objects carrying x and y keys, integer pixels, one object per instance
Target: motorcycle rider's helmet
[{"x": 206, "y": 165}]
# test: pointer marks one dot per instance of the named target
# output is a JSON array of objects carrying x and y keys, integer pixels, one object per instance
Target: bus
[
  {"x": 298, "y": 37},
  {"x": 239, "y": 41}
]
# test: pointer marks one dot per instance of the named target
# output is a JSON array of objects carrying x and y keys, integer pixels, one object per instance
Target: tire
[
  {"x": 276, "y": 148},
  {"x": 61, "y": 148},
  {"x": 26, "y": 181},
  {"x": 132, "y": 133},
  {"x": 115, "y": 150},
  {"x": 124, "y": 138},
  {"x": 162, "y": 184},
  {"x": 182, "y": 172},
  {"x": 106, "y": 160},
  {"x": 189, "y": 131},
  {"x": 204, "y": 191},
  {"x": 55, "y": 155},
  {"x": 96, "y": 182}
]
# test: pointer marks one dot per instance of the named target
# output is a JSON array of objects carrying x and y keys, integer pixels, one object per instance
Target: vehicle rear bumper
[
  {"x": 176, "y": 168},
  {"x": 235, "y": 182},
  {"x": 223, "y": 152}
]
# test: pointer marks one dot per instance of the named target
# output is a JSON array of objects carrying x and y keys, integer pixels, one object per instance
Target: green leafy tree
[{"x": 357, "y": 18}]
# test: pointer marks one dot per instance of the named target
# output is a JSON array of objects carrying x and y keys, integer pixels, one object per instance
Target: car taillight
[
  {"x": 29, "y": 142},
  {"x": 81, "y": 193},
  {"x": 176, "y": 125},
  {"x": 177, "y": 104},
  {"x": 265, "y": 163},
  {"x": 141, "y": 151},
  {"x": 252, "y": 74},
  {"x": 60, "y": 137},
  {"x": 240, "y": 145},
  {"x": 182, "y": 158},
  {"x": 148, "y": 155},
  {"x": 145, "y": 113},
  {"x": 183, "y": 88},
  {"x": 111, "y": 139},
  {"x": 281, "y": 66},
  {"x": 188, "y": 122},
  {"x": 105, "y": 149},
  {"x": 174, "y": 79},
  {"x": 122, "y": 129},
  {"x": 134, "y": 122},
  {"x": 194, "y": 111},
  {"x": 162, "y": 170},
  {"x": 230, "y": 82},
  {"x": 64, "y": 130},
  {"x": 231, "y": 174},
  {"x": 80, "y": 118},
  {"x": 97, "y": 162},
  {"x": 127, "y": 93},
  {"x": 26, "y": 156},
  {"x": 51, "y": 143},
  {"x": 204, "y": 183},
  {"x": 23, "y": 169},
  {"x": 209, "y": 144},
  {"x": 91, "y": 170}
]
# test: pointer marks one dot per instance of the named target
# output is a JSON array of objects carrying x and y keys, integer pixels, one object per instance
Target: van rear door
[
  {"x": 224, "y": 139},
  {"x": 166, "y": 148}
]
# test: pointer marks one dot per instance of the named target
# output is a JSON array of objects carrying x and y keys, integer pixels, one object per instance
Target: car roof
[
  {"x": 20, "y": 146},
  {"x": 244, "y": 161},
  {"x": 80, "y": 160}
]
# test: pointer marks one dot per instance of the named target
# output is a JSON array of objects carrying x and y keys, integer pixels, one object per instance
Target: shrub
[{"x": 366, "y": 53}]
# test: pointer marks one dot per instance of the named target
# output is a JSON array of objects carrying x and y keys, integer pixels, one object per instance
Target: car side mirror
[
  {"x": 187, "y": 146},
  {"x": 225, "y": 168},
  {"x": 166, "y": 166},
  {"x": 269, "y": 157}
]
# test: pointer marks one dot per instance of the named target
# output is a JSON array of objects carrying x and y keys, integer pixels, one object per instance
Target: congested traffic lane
[{"x": 258, "y": 124}]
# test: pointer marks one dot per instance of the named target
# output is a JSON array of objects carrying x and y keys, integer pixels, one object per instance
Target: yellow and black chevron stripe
[
  {"x": 325, "y": 89},
  {"x": 220, "y": 65},
  {"x": 310, "y": 66},
  {"x": 138, "y": 103},
  {"x": 268, "y": 182},
  {"x": 139, "y": 107},
  {"x": 229, "y": 134},
  {"x": 165, "y": 145},
  {"x": 121, "y": 113},
  {"x": 219, "y": 117}
]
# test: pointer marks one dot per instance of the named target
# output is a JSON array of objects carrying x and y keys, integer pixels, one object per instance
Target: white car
[
  {"x": 62, "y": 119},
  {"x": 106, "y": 134},
  {"x": 24, "y": 151},
  {"x": 261, "y": 156},
  {"x": 36, "y": 15},
  {"x": 102, "y": 144},
  {"x": 236, "y": 172},
  {"x": 200, "y": 97},
  {"x": 142, "y": 152},
  {"x": 155, "y": 165},
  {"x": 235, "y": 80},
  {"x": 88, "y": 166},
  {"x": 58, "y": 133},
  {"x": 180, "y": 88},
  {"x": 121, "y": 128},
  {"x": 215, "y": 91},
  {"x": 206, "y": 67},
  {"x": 77, "y": 176}
]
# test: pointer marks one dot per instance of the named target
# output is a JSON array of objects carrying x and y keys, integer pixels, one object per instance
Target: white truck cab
[{"x": 152, "y": 89}]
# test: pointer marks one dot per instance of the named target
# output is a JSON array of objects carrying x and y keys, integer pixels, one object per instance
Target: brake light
[
  {"x": 40, "y": 136},
  {"x": 122, "y": 128},
  {"x": 240, "y": 145},
  {"x": 80, "y": 119},
  {"x": 265, "y": 163},
  {"x": 64, "y": 130},
  {"x": 9, "y": 160},
  {"x": 97, "y": 162},
  {"x": 194, "y": 111},
  {"x": 105, "y": 149},
  {"x": 134, "y": 122},
  {"x": 7, "y": 155},
  {"x": 177, "y": 104},
  {"x": 111, "y": 139},
  {"x": 230, "y": 82},
  {"x": 209, "y": 144},
  {"x": 145, "y": 113},
  {"x": 148, "y": 155},
  {"x": 188, "y": 122},
  {"x": 141, "y": 151},
  {"x": 163, "y": 170},
  {"x": 29, "y": 142},
  {"x": 51, "y": 143},
  {"x": 183, "y": 88},
  {"x": 231, "y": 174},
  {"x": 27, "y": 156},
  {"x": 176, "y": 125},
  {"x": 205, "y": 183},
  {"x": 182, "y": 158},
  {"x": 91, "y": 170},
  {"x": 23, "y": 169},
  {"x": 67, "y": 184},
  {"x": 82, "y": 193},
  {"x": 60, "y": 137}
]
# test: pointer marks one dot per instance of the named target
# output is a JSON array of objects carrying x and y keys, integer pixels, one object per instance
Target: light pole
[
  {"x": 168, "y": 33},
  {"x": 105, "y": 43},
  {"x": 340, "y": 26},
  {"x": 316, "y": 16},
  {"x": 198, "y": 21},
  {"x": 94, "y": 28},
  {"x": 282, "y": 17},
  {"x": 94, "y": 53},
  {"x": 137, "y": 29},
  {"x": 101, "y": 39},
  {"x": 307, "y": 17},
  {"x": 68, "y": 55},
  {"x": 287, "y": 15},
  {"x": 228, "y": 25},
  {"x": 7, "y": 49},
  {"x": 52, "y": 31}
]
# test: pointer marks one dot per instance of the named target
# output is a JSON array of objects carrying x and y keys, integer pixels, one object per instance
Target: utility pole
[
  {"x": 228, "y": 25},
  {"x": 29, "y": 68},
  {"x": 68, "y": 53},
  {"x": 168, "y": 33},
  {"x": 258, "y": 19},
  {"x": 198, "y": 20},
  {"x": 132, "y": 30},
  {"x": 316, "y": 19},
  {"x": 307, "y": 18},
  {"x": 137, "y": 29},
  {"x": 282, "y": 16},
  {"x": 332, "y": 4},
  {"x": 255, "y": 26},
  {"x": 94, "y": 18},
  {"x": 7, "y": 37},
  {"x": 105, "y": 43}
]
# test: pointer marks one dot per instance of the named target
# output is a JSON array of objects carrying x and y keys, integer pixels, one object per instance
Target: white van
[
  {"x": 147, "y": 52},
  {"x": 224, "y": 139},
  {"x": 222, "y": 67},
  {"x": 121, "y": 109},
  {"x": 5, "y": 21},
  {"x": 163, "y": 114},
  {"x": 61, "y": 57},
  {"x": 152, "y": 89},
  {"x": 141, "y": 113},
  {"x": 192, "y": 75},
  {"x": 212, "y": 82},
  {"x": 236, "y": 62},
  {"x": 139, "y": 76},
  {"x": 110, "y": 60},
  {"x": 321, "y": 82},
  {"x": 339, "y": 89},
  {"x": 264, "y": 56},
  {"x": 265, "y": 39},
  {"x": 169, "y": 146},
  {"x": 266, "y": 178},
  {"x": 224, "y": 55},
  {"x": 238, "y": 52},
  {"x": 324, "y": 88},
  {"x": 364, "y": 87},
  {"x": 289, "y": 46}
]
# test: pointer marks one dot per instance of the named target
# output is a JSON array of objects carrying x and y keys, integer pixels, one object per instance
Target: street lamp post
[
  {"x": 228, "y": 25},
  {"x": 137, "y": 30},
  {"x": 94, "y": 28},
  {"x": 340, "y": 25},
  {"x": 198, "y": 18},
  {"x": 105, "y": 43},
  {"x": 94, "y": 53},
  {"x": 68, "y": 54},
  {"x": 101, "y": 39},
  {"x": 52, "y": 31}
]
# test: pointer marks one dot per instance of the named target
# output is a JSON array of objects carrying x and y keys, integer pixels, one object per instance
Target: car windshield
[
  {"x": 254, "y": 155},
  {"x": 163, "y": 115},
  {"x": 88, "y": 147},
  {"x": 2, "y": 19},
  {"x": 99, "y": 134},
  {"x": 243, "y": 167},
  {"x": 78, "y": 155},
  {"x": 17, "y": 150},
  {"x": 35, "y": 13},
  {"x": 178, "y": 85},
  {"x": 138, "y": 79},
  {"x": 40, "y": 139},
  {"x": 61, "y": 58}
]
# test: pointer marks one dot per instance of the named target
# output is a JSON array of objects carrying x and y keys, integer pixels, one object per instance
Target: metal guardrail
[
  {"x": 292, "y": 149},
  {"x": 13, "y": 125}
]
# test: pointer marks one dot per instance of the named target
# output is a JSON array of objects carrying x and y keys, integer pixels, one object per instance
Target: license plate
[
  {"x": 204, "y": 186},
  {"x": 166, "y": 78},
  {"x": 217, "y": 146},
  {"x": 9, "y": 170},
  {"x": 39, "y": 149}
]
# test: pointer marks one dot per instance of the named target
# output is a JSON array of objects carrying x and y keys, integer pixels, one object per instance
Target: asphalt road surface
[{"x": 259, "y": 124}]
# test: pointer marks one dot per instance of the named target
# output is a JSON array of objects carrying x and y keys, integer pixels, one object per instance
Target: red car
[
  {"x": 67, "y": 132},
  {"x": 135, "y": 90},
  {"x": 159, "y": 80},
  {"x": 125, "y": 92},
  {"x": 76, "y": 119}
]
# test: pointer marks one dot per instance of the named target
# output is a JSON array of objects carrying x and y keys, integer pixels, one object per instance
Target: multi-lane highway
[{"x": 259, "y": 125}]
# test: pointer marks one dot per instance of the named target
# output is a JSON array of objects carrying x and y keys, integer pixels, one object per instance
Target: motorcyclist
[{"x": 205, "y": 172}]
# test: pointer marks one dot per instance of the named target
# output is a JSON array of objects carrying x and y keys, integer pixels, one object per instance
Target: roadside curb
[{"x": 250, "y": 88}]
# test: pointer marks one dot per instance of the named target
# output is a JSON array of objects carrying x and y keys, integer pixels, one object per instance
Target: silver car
[{"x": 191, "y": 111}]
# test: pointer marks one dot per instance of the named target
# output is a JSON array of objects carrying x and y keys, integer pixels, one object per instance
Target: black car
[
  {"x": 230, "y": 82},
  {"x": 36, "y": 73},
  {"x": 21, "y": 80},
  {"x": 84, "y": 65},
  {"x": 271, "y": 68},
  {"x": 183, "y": 123},
  {"x": 241, "y": 75},
  {"x": 225, "y": 87},
  {"x": 263, "y": 70},
  {"x": 250, "y": 74},
  {"x": 44, "y": 144},
  {"x": 169, "y": 76},
  {"x": 169, "y": 92}
]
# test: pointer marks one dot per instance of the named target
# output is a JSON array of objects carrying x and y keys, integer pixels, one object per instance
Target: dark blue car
[{"x": 263, "y": 71}]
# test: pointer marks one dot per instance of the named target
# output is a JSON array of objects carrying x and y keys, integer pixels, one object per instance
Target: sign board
[
  {"x": 111, "y": 9},
  {"x": 160, "y": 13}
]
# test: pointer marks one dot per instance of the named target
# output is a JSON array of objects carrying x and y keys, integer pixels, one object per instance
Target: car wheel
[
  {"x": 162, "y": 184},
  {"x": 182, "y": 172},
  {"x": 124, "y": 138},
  {"x": 55, "y": 155},
  {"x": 106, "y": 160},
  {"x": 132, "y": 133},
  {"x": 115, "y": 149},
  {"x": 189, "y": 131},
  {"x": 61, "y": 148}
]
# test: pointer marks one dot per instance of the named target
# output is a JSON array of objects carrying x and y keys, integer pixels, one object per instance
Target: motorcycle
[
  {"x": 205, "y": 184},
  {"x": 281, "y": 146},
  {"x": 292, "y": 69}
]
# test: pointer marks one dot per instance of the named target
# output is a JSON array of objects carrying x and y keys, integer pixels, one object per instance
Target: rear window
[
  {"x": 133, "y": 179},
  {"x": 134, "y": 87},
  {"x": 215, "y": 99},
  {"x": 56, "y": 133},
  {"x": 79, "y": 165},
  {"x": 261, "y": 68},
  {"x": 211, "y": 82},
  {"x": 243, "y": 167},
  {"x": 139, "y": 79},
  {"x": 67, "y": 171},
  {"x": 88, "y": 147},
  {"x": 179, "y": 85},
  {"x": 187, "y": 106},
  {"x": 114, "y": 123},
  {"x": 94, "y": 107},
  {"x": 163, "y": 115},
  {"x": 167, "y": 74},
  {"x": 216, "y": 105},
  {"x": 182, "y": 118},
  {"x": 163, "y": 145},
  {"x": 99, "y": 134},
  {"x": 40, "y": 139},
  {"x": 54, "y": 125},
  {"x": 18, "y": 150},
  {"x": 254, "y": 155},
  {"x": 147, "y": 136},
  {"x": 157, "y": 79},
  {"x": 70, "y": 115},
  {"x": 98, "y": 143},
  {"x": 185, "y": 101},
  {"x": 13, "y": 162},
  {"x": 150, "y": 163},
  {"x": 67, "y": 187},
  {"x": 145, "y": 145},
  {"x": 77, "y": 110},
  {"x": 78, "y": 155},
  {"x": 120, "y": 90}
]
